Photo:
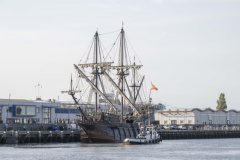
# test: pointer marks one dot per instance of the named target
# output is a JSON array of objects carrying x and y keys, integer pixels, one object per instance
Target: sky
[{"x": 189, "y": 48}]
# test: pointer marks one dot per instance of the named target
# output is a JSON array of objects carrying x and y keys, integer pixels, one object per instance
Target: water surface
[{"x": 206, "y": 149}]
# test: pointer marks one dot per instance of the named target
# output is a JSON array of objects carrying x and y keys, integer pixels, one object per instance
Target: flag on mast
[{"x": 153, "y": 87}]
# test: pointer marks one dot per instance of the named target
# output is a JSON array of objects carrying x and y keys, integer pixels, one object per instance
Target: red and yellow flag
[{"x": 153, "y": 87}]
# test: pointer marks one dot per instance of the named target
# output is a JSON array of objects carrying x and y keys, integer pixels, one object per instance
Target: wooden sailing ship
[{"x": 125, "y": 105}]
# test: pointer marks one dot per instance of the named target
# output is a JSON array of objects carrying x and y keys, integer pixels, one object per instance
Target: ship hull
[{"x": 105, "y": 132}]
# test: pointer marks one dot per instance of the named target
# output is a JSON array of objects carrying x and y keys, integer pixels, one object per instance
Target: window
[
  {"x": 181, "y": 121},
  {"x": 10, "y": 109},
  {"x": 37, "y": 110},
  {"x": 67, "y": 110},
  {"x": 173, "y": 121},
  {"x": 24, "y": 110},
  {"x": 189, "y": 121},
  {"x": 72, "y": 121},
  {"x": 23, "y": 120},
  {"x": 165, "y": 122},
  {"x": 20, "y": 110},
  {"x": 30, "y": 111},
  {"x": 46, "y": 115},
  {"x": 17, "y": 120}
]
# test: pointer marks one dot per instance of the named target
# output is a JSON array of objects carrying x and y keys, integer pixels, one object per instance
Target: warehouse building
[{"x": 180, "y": 116}]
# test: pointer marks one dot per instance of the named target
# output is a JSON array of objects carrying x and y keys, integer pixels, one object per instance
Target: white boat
[{"x": 148, "y": 135}]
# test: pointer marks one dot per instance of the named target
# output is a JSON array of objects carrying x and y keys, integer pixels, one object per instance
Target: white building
[{"x": 196, "y": 116}]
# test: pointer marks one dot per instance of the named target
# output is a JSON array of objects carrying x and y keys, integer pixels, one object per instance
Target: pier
[
  {"x": 13, "y": 137},
  {"x": 39, "y": 133},
  {"x": 198, "y": 134}
]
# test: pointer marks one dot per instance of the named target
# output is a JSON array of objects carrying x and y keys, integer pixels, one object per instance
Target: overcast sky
[{"x": 189, "y": 48}]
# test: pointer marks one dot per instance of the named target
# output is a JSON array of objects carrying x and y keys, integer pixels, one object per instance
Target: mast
[
  {"x": 134, "y": 84},
  {"x": 72, "y": 93},
  {"x": 97, "y": 66},
  {"x": 96, "y": 70},
  {"x": 122, "y": 73}
]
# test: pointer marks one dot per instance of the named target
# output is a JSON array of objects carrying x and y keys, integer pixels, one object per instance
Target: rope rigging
[
  {"x": 106, "y": 87},
  {"x": 110, "y": 32},
  {"x": 91, "y": 43},
  {"x": 133, "y": 50}
]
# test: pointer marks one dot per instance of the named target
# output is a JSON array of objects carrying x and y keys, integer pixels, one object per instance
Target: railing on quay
[{"x": 200, "y": 132}]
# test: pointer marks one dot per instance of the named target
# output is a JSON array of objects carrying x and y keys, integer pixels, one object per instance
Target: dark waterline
[{"x": 206, "y": 149}]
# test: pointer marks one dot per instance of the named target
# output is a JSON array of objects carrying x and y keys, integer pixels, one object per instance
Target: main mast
[
  {"x": 122, "y": 72},
  {"x": 96, "y": 69},
  {"x": 134, "y": 83}
]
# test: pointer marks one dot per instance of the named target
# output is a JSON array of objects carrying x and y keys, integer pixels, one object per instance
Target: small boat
[{"x": 147, "y": 135}]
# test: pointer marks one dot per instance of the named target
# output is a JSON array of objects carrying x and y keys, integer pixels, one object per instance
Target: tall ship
[{"x": 109, "y": 92}]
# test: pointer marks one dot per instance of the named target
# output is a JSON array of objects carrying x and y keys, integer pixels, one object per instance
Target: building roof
[
  {"x": 217, "y": 110},
  {"x": 15, "y": 100},
  {"x": 172, "y": 110},
  {"x": 178, "y": 110}
]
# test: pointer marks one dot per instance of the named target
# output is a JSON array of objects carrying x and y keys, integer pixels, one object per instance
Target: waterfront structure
[
  {"x": 20, "y": 111},
  {"x": 180, "y": 116}
]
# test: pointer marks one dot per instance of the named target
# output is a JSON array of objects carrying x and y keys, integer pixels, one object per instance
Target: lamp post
[
  {"x": 68, "y": 114},
  {"x": 8, "y": 106}
]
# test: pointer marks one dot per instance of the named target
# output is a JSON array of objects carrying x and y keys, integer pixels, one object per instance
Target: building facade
[
  {"x": 174, "y": 116},
  {"x": 18, "y": 111},
  {"x": 180, "y": 116}
]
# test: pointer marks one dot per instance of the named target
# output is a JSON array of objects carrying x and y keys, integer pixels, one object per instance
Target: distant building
[
  {"x": 196, "y": 116},
  {"x": 159, "y": 106}
]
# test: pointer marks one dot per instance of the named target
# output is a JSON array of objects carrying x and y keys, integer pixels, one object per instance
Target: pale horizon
[{"x": 189, "y": 49}]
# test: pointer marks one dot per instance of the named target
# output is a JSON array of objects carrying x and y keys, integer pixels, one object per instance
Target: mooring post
[
  {"x": 72, "y": 135},
  {"x": 28, "y": 136},
  {"x": 61, "y": 136},
  {"x": 16, "y": 135},
  {"x": 39, "y": 136},
  {"x": 50, "y": 134},
  {"x": 4, "y": 137}
]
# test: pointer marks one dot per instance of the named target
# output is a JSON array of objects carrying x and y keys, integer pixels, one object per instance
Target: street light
[{"x": 8, "y": 106}]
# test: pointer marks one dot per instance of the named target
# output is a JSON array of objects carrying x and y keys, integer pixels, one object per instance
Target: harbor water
[{"x": 206, "y": 149}]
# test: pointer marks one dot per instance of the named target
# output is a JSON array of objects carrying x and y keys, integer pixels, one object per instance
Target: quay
[
  {"x": 58, "y": 136},
  {"x": 38, "y": 133},
  {"x": 198, "y": 134},
  {"x": 13, "y": 137}
]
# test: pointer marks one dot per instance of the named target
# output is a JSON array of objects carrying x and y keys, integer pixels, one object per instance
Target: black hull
[{"x": 105, "y": 132}]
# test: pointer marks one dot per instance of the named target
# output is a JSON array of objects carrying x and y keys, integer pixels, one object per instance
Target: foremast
[
  {"x": 97, "y": 70},
  {"x": 72, "y": 93},
  {"x": 122, "y": 73}
]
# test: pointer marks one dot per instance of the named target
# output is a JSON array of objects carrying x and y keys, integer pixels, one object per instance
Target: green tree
[{"x": 221, "y": 103}]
